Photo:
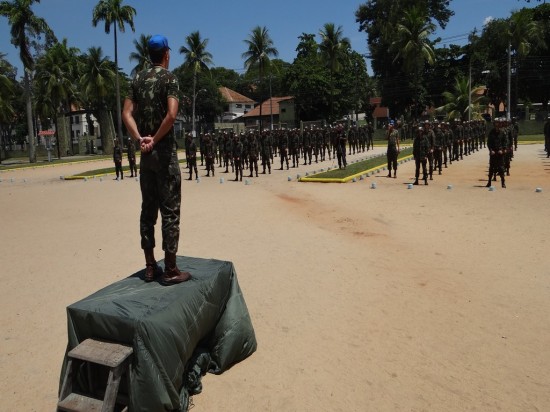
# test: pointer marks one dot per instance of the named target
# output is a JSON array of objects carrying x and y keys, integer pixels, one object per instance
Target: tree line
[{"x": 412, "y": 71}]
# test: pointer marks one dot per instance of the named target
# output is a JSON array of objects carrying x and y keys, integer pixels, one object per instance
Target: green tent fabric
[{"x": 178, "y": 332}]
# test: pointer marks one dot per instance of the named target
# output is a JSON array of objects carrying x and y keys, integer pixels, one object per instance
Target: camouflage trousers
[{"x": 160, "y": 182}]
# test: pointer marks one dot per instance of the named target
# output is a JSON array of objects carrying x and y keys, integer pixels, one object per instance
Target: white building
[{"x": 236, "y": 104}]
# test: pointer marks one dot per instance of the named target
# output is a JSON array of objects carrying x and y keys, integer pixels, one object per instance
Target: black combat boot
[
  {"x": 172, "y": 275},
  {"x": 152, "y": 270}
]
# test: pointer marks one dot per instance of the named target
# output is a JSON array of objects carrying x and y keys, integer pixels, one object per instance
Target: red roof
[
  {"x": 269, "y": 106},
  {"x": 380, "y": 112},
  {"x": 231, "y": 96},
  {"x": 46, "y": 132}
]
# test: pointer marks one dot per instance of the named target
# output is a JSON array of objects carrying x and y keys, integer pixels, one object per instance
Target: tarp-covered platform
[{"x": 178, "y": 333}]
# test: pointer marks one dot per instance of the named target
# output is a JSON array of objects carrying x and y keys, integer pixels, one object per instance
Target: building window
[
  {"x": 239, "y": 106},
  {"x": 76, "y": 120},
  {"x": 247, "y": 106},
  {"x": 283, "y": 110}
]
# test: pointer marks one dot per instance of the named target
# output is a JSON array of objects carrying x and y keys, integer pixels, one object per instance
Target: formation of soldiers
[
  {"x": 436, "y": 145},
  {"x": 501, "y": 142},
  {"x": 285, "y": 148}
]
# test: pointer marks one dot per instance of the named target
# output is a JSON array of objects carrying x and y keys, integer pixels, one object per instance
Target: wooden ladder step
[
  {"x": 111, "y": 355},
  {"x": 102, "y": 353},
  {"x": 80, "y": 403}
]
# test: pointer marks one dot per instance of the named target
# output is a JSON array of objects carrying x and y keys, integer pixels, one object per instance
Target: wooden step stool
[{"x": 112, "y": 355}]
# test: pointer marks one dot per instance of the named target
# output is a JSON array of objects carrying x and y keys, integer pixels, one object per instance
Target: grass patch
[
  {"x": 362, "y": 166},
  {"x": 105, "y": 171}
]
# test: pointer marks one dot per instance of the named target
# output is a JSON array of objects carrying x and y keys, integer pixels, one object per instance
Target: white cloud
[{"x": 487, "y": 20}]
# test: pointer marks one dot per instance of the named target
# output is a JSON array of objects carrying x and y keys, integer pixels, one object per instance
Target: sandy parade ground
[{"x": 386, "y": 299}]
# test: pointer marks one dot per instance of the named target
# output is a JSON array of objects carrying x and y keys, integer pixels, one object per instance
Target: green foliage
[{"x": 361, "y": 167}]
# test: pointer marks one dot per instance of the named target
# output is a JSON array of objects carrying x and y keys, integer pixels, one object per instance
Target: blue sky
[{"x": 227, "y": 24}]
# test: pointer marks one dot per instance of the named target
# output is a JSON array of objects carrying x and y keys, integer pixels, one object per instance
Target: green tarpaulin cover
[{"x": 178, "y": 332}]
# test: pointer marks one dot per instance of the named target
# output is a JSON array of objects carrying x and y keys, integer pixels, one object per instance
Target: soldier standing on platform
[
  {"x": 149, "y": 114},
  {"x": 117, "y": 158}
]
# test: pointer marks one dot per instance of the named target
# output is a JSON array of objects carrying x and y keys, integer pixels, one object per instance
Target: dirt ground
[{"x": 386, "y": 299}]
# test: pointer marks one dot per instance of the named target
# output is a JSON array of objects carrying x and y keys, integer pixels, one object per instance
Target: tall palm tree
[
  {"x": 7, "y": 111},
  {"x": 196, "y": 59},
  {"x": 24, "y": 26},
  {"x": 97, "y": 81},
  {"x": 524, "y": 34},
  {"x": 333, "y": 48},
  {"x": 56, "y": 77},
  {"x": 112, "y": 12},
  {"x": 260, "y": 49},
  {"x": 141, "y": 55},
  {"x": 412, "y": 42},
  {"x": 413, "y": 50}
]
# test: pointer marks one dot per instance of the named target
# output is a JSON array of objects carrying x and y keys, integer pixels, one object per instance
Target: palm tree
[
  {"x": 112, "y": 12},
  {"x": 196, "y": 59},
  {"x": 25, "y": 25},
  {"x": 97, "y": 80},
  {"x": 524, "y": 34},
  {"x": 260, "y": 49},
  {"x": 7, "y": 111},
  {"x": 413, "y": 49},
  {"x": 412, "y": 43},
  {"x": 56, "y": 77},
  {"x": 457, "y": 101},
  {"x": 141, "y": 55},
  {"x": 333, "y": 48}
]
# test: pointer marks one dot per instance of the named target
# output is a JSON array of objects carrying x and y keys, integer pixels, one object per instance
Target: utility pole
[
  {"x": 470, "y": 93},
  {"x": 509, "y": 102}
]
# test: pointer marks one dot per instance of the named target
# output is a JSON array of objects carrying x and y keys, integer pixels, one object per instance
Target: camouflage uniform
[
  {"x": 497, "y": 144},
  {"x": 131, "y": 151},
  {"x": 421, "y": 148},
  {"x": 160, "y": 176},
  {"x": 392, "y": 151},
  {"x": 117, "y": 158},
  {"x": 191, "y": 154}
]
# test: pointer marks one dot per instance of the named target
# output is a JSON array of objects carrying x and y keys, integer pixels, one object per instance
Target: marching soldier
[
  {"x": 393, "y": 149},
  {"x": 421, "y": 148},
  {"x": 131, "y": 151},
  {"x": 209, "y": 152},
  {"x": 191, "y": 154},
  {"x": 496, "y": 143},
  {"x": 265, "y": 152},
  {"x": 238, "y": 158},
  {"x": 547, "y": 137},
  {"x": 253, "y": 150},
  {"x": 439, "y": 147},
  {"x": 340, "y": 134},
  {"x": 117, "y": 158},
  {"x": 283, "y": 148}
]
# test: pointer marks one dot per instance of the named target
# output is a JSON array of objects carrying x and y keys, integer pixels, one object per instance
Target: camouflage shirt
[{"x": 150, "y": 91}]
